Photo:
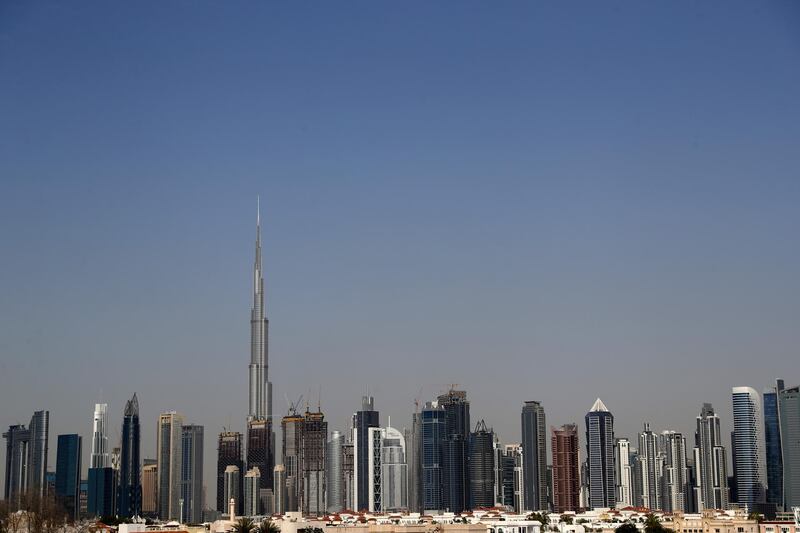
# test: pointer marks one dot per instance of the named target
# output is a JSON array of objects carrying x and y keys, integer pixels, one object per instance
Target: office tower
[
  {"x": 192, "y": 473},
  {"x": 772, "y": 445},
  {"x": 652, "y": 469},
  {"x": 789, "y": 409},
  {"x": 150, "y": 488},
  {"x": 292, "y": 431},
  {"x": 566, "y": 469},
  {"x": 414, "y": 442},
  {"x": 252, "y": 486},
  {"x": 169, "y": 444},
  {"x": 37, "y": 456},
  {"x": 26, "y": 457},
  {"x": 711, "y": 486},
  {"x": 232, "y": 486},
  {"x": 279, "y": 489},
  {"x": 516, "y": 453},
  {"x": 100, "y": 457},
  {"x": 68, "y": 473},
  {"x": 348, "y": 475},
  {"x": 622, "y": 473},
  {"x": 102, "y": 491},
  {"x": 393, "y": 472},
  {"x": 312, "y": 451},
  {"x": 750, "y": 465},
  {"x": 675, "y": 492},
  {"x": 481, "y": 467},
  {"x": 129, "y": 496},
  {"x": 229, "y": 453},
  {"x": 260, "y": 437},
  {"x": 455, "y": 471},
  {"x": 364, "y": 419},
  {"x": 534, "y": 451},
  {"x": 333, "y": 473},
  {"x": 433, "y": 431},
  {"x": 600, "y": 456},
  {"x": 637, "y": 485}
]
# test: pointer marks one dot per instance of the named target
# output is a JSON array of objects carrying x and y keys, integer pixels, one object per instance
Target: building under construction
[{"x": 304, "y": 442}]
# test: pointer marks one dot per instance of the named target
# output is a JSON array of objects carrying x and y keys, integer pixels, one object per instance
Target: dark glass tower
[
  {"x": 772, "y": 437},
  {"x": 129, "y": 495},
  {"x": 433, "y": 431},
  {"x": 192, "y": 473},
  {"x": 534, "y": 457},
  {"x": 229, "y": 453},
  {"x": 600, "y": 456},
  {"x": 68, "y": 473},
  {"x": 364, "y": 419},
  {"x": 455, "y": 471},
  {"x": 481, "y": 467}
]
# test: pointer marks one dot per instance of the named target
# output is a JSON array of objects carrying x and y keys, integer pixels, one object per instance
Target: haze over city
[{"x": 529, "y": 201}]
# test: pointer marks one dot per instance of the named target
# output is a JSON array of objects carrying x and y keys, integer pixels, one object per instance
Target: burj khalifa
[{"x": 260, "y": 437}]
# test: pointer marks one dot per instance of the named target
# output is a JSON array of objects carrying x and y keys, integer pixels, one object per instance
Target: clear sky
[{"x": 549, "y": 201}]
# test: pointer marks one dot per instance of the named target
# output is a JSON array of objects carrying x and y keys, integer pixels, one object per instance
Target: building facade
[
  {"x": 101, "y": 454},
  {"x": 534, "y": 450},
  {"x": 229, "y": 453},
  {"x": 129, "y": 496},
  {"x": 169, "y": 450},
  {"x": 192, "y": 474},
  {"x": 749, "y": 459},
  {"x": 623, "y": 473},
  {"x": 68, "y": 473},
  {"x": 566, "y": 469},
  {"x": 363, "y": 420},
  {"x": 711, "y": 485},
  {"x": 482, "y": 471},
  {"x": 433, "y": 431},
  {"x": 789, "y": 405},
  {"x": 600, "y": 456},
  {"x": 772, "y": 444}
]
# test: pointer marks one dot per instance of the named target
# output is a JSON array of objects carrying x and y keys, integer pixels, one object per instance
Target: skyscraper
[
  {"x": 481, "y": 467},
  {"x": 711, "y": 489},
  {"x": 676, "y": 491},
  {"x": 232, "y": 486},
  {"x": 566, "y": 470},
  {"x": 252, "y": 487},
  {"x": 129, "y": 496},
  {"x": 26, "y": 456},
  {"x": 748, "y": 448},
  {"x": 414, "y": 442},
  {"x": 312, "y": 453},
  {"x": 169, "y": 443},
  {"x": 534, "y": 452},
  {"x": 292, "y": 431},
  {"x": 68, "y": 473},
  {"x": 652, "y": 469},
  {"x": 102, "y": 489},
  {"x": 100, "y": 457},
  {"x": 623, "y": 473},
  {"x": 433, "y": 430},
  {"x": 388, "y": 471},
  {"x": 364, "y": 419},
  {"x": 260, "y": 437},
  {"x": 789, "y": 405},
  {"x": 192, "y": 473},
  {"x": 600, "y": 456},
  {"x": 150, "y": 488},
  {"x": 348, "y": 473},
  {"x": 333, "y": 473},
  {"x": 279, "y": 489},
  {"x": 229, "y": 453},
  {"x": 772, "y": 445},
  {"x": 455, "y": 471}
]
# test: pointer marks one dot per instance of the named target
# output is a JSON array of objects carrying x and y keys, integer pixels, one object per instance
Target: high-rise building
[
  {"x": 772, "y": 448},
  {"x": 455, "y": 448},
  {"x": 623, "y": 478},
  {"x": 129, "y": 496},
  {"x": 26, "y": 457},
  {"x": 711, "y": 485},
  {"x": 229, "y": 453},
  {"x": 312, "y": 451},
  {"x": 102, "y": 491},
  {"x": 68, "y": 473},
  {"x": 169, "y": 444},
  {"x": 566, "y": 469},
  {"x": 348, "y": 475},
  {"x": 192, "y": 473},
  {"x": 481, "y": 467},
  {"x": 363, "y": 420},
  {"x": 232, "y": 486},
  {"x": 748, "y": 448},
  {"x": 789, "y": 406},
  {"x": 600, "y": 456},
  {"x": 393, "y": 470},
  {"x": 637, "y": 486},
  {"x": 534, "y": 451},
  {"x": 433, "y": 431},
  {"x": 100, "y": 457},
  {"x": 252, "y": 487},
  {"x": 414, "y": 442},
  {"x": 292, "y": 431},
  {"x": 149, "y": 487},
  {"x": 279, "y": 489},
  {"x": 333, "y": 473},
  {"x": 260, "y": 437},
  {"x": 652, "y": 469},
  {"x": 676, "y": 489},
  {"x": 514, "y": 451}
]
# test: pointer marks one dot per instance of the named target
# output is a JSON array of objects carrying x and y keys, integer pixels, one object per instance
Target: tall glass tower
[
  {"x": 748, "y": 448},
  {"x": 600, "y": 456},
  {"x": 129, "y": 497},
  {"x": 772, "y": 447}
]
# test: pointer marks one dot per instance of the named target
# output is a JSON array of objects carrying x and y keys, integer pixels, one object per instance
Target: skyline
[{"x": 603, "y": 197}]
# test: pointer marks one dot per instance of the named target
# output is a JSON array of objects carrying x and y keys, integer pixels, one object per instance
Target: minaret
[{"x": 260, "y": 388}]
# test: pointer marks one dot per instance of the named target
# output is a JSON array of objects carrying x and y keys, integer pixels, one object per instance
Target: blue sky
[{"x": 550, "y": 201}]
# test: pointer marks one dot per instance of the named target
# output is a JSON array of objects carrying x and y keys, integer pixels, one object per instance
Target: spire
[{"x": 599, "y": 406}]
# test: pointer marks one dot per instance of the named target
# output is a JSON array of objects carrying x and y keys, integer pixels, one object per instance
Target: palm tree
[
  {"x": 268, "y": 526},
  {"x": 244, "y": 525}
]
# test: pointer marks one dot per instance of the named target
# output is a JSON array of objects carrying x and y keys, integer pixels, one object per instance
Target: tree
[
  {"x": 268, "y": 526},
  {"x": 244, "y": 525},
  {"x": 627, "y": 527},
  {"x": 539, "y": 517}
]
